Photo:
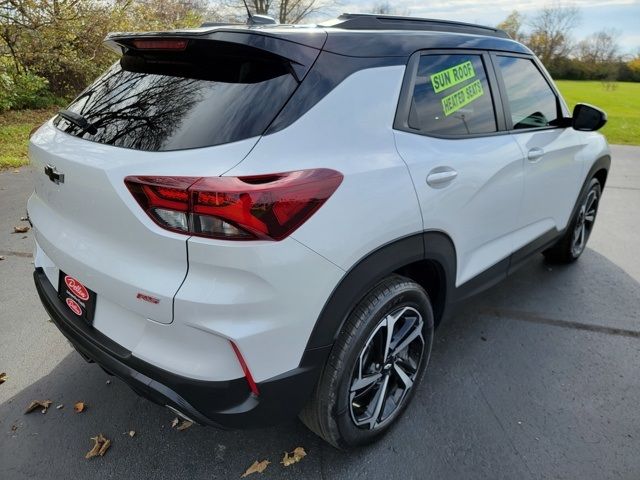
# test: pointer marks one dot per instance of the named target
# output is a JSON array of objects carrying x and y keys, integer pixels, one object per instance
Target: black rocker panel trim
[{"x": 544, "y": 241}]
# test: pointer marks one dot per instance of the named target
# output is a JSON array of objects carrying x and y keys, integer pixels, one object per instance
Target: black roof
[
  {"x": 366, "y": 21},
  {"x": 364, "y": 35}
]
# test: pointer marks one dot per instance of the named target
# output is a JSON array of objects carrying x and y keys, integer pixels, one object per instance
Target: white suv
[{"x": 245, "y": 223}]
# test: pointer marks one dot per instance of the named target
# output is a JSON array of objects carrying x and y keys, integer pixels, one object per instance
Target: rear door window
[
  {"x": 532, "y": 102},
  {"x": 451, "y": 96},
  {"x": 207, "y": 95}
]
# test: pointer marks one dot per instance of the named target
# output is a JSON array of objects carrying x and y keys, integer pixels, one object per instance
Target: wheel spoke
[
  {"x": 404, "y": 378},
  {"x": 379, "y": 402},
  {"x": 364, "y": 382},
  {"x": 390, "y": 322},
  {"x": 415, "y": 333}
]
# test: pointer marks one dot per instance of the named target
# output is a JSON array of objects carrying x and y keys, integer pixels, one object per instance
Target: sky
[{"x": 621, "y": 15}]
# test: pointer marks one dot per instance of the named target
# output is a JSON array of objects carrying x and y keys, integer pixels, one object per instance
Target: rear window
[{"x": 211, "y": 93}]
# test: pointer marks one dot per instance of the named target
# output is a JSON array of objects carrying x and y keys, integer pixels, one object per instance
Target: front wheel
[
  {"x": 375, "y": 365},
  {"x": 574, "y": 241}
]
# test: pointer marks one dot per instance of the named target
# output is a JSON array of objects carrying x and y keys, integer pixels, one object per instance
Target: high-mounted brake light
[
  {"x": 263, "y": 207},
  {"x": 160, "y": 43}
]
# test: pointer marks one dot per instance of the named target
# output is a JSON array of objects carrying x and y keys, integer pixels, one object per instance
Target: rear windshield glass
[{"x": 206, "y": 95}]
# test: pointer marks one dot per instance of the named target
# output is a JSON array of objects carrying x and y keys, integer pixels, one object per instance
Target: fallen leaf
[
  {"x": 3, "y": 376},
  {"x": 297, "y": 455},
  {"x": 16, "y": 171},
  {"x": 24, "y": 219},
  {"x": 184, "y": 425},
  {"x": 14, "y": 428},
  {"x": 44, "y": 404},
  {"x": 59, "y": 407},
  {"x": 174, "y": 422},
  {"x": 108, "y": 382},
  {"x": 257, "y": 467},
  {"x": 79, "y": 407},
  {"x": 2, "y": 257},
  {"x": 100, "y": 447},
  {"x": 20, "y": 229},
  {"x": 132, "y": 433}
]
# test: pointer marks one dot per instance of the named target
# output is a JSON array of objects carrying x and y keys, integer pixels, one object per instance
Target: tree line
[
  {"x": 549, "y": 34},
  {"x": 51, "y": 49}
]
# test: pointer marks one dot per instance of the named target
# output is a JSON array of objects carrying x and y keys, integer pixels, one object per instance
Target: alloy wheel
[
  {"x": 387, "y": 368},
  {"x": 584, "y": 225}
]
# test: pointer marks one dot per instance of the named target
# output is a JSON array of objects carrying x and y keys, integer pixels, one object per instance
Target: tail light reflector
[
  {"x": 263, "y": 207},
  {"x": 245, "y": 369}
]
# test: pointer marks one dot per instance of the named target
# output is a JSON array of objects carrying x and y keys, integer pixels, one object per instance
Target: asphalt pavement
[{"x": 536, "y": 378}]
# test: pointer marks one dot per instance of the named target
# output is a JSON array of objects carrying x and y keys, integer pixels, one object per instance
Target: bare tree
[
  {"x": 550, "y": 38},
  {"x": 286, "y": 11},
  {"x": 599, "y": 47},
  {"x": 513, "y": 25},
  {"x": 385, "y": 8},
  {"x": 294, "y": 11}
]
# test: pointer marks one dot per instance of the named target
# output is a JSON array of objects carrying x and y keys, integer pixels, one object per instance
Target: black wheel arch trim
[
  {"x": 603, "y": 163},
  {"x": 374, "y": 267}
]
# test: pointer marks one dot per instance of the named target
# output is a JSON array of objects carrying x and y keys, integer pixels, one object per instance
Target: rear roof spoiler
[{"x": 301, "y": 53}]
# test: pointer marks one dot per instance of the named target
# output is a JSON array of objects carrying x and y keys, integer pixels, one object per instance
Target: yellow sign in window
[
  {"x": 452, "y": 76},
  {"x": 458, "y": 99}
]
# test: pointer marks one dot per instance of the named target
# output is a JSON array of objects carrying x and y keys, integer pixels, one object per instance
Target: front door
[{"x": 552, "y": 160}]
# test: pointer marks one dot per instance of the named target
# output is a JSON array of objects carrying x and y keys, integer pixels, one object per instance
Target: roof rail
[{"x": 366, "y": 21}]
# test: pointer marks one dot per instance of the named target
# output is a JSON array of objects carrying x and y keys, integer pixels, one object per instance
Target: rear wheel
[
  {"x": 375, "y": 365},
  {"x": 574, "y": 241}
]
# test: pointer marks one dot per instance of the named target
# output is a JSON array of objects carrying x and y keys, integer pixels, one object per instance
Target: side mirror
[{"x": 587, "y": 118}]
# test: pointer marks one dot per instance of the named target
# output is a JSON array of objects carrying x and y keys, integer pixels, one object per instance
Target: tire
[
  {"x": 572, "y": 244},
  {"x": 345, "y": 409}
]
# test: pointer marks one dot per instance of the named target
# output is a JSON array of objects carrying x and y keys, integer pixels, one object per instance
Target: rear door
[
  {"x": 552, "y": 160},
  {"x": 467, "y": 171},
  {"x": 192, "y": 111}
]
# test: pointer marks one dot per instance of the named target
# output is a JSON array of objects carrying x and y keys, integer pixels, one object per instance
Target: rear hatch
[{"x": 173, "y": 106}]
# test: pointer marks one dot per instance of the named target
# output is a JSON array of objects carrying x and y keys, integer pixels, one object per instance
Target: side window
[
  {"x": 451, "y": 96},
  {"x": 531, "y": 100}
]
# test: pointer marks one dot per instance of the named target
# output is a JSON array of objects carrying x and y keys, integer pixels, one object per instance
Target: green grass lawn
[
  {"x": 14, "y": 134},
  {"x": 621, "y": 102}
]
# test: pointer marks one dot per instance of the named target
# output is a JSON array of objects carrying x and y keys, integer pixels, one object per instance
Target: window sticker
[
  {"x": 458, "y": 99},
  {"x": 452, "y": 76}
]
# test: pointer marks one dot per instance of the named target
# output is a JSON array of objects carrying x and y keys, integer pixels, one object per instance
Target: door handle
[
  {"x": 441, "y": 177},
  {"x": 535, "y": 154}
]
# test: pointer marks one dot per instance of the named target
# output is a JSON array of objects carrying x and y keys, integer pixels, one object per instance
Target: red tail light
[{"x": 264, "y": 207}]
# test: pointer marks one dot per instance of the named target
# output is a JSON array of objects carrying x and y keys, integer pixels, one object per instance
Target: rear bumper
[{"x": 227, "y": 404}]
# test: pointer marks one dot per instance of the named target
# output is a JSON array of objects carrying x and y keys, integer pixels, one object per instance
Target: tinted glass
[
  {"x": 202, "y": 97},
  {"x": 452, "y": 96},
  {"x": 531, "y": 100}
]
